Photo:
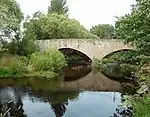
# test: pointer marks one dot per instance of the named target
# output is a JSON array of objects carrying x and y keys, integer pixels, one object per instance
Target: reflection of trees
[
  {"x": 12, "y": 105},
  {"x": 129, "y": 87},
  {"x": 11, "y": 100},
  {"x": 16, "y": 110},
  {"x": 59, "y": 108},
  {"x": 59, "y": 101}
]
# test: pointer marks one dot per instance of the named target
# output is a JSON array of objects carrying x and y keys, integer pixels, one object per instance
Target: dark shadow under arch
[
  {"x": 122, "y": 50},
  {"x": 79, "y": 64},
  {"x": 69, "y": 52}
]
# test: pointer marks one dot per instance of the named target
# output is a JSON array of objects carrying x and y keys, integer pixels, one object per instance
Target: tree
[
  {"x": 37, "y": 14},
  {"x": 135, "y": 27},
  {"x": 10, "y": 19},
  {"x": 27, "y": 45},
  {"x": 59, "y": 7},
  {"x": 54, "y": 26},
  {"x": 103, "y": 31}
]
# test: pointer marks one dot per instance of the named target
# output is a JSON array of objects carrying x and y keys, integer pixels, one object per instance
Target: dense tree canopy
[
  {"x": 135, "y": 27},
  {"x": 11, "y": 16},
  {"x": 54, "y": 26},
  {"x": 103, "y": 31},
  {"x": 10, "y": 19},
  {"x": 58, "y": 6}
]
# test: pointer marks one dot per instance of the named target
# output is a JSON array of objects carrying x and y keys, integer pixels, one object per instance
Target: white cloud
[{"x": 88, "y": 12}]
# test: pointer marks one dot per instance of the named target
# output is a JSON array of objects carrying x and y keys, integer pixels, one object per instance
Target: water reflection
[
  {"x": 11, "y": 103},
  {"x": 40, "y": 103},
  {"x": 75, "y": 72},
  {"x": 55, "y": 97},
  {"x": 57, "y": 100},
  {"x": 59, "y": 109}
]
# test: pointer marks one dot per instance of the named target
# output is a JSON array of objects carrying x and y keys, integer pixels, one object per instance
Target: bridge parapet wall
[{"x": 92, "y": 48}]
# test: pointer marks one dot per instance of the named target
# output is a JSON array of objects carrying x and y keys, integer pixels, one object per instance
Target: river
[{"x": 80, "y": 92}]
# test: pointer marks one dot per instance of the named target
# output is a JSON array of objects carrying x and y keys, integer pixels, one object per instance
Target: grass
[
  {"x": 141, "y": 106},
  {"x": 42, "y": 65}
]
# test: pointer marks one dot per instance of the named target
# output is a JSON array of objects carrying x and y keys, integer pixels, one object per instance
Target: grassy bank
[
  {"x": 47, "y": 64},
  {"x": 141, "y": 106}
]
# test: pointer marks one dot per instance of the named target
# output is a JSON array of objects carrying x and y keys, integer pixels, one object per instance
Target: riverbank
[
  {"x": 138, "y": 69},
  {"x": 47, "y": 64}
]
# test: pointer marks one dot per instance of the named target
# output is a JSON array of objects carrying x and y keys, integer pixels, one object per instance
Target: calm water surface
[{"x": 86, "y": 94}]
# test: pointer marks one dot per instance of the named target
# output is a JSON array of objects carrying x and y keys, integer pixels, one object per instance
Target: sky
[{"x": 88, "y": 12}]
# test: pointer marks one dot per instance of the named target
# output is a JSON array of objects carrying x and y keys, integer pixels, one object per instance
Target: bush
[
  {"x": 101, "y": 64},
  {"x": 141, "y": 106},
  {"x": 124, "y": 56},
  {"x": 128, "y": 69},
  {"x": 11, "y": 66},
  {"x": 24, "y": 60},
  {"x": 51, "y": 60}
]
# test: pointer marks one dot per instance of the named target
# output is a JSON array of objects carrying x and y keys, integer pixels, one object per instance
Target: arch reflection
[{"x": 73, "y": 73}]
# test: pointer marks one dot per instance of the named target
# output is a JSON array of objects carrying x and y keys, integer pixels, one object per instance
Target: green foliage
[
  {"x": 98, "y": 64},
  {"x": 59, "y": 7},
  {"x": 130, "y": 56},
  {"x": 135, "y": 27},
  {"x": 143, "y": 59},
  {"x": 128, "y": 69},
  {"x": 27, "y": 45},
  {"x": 51, "y": 60},
  {"x": 24, "y": 60},
  {"x": 11, "y": 17},
  {"x": 124, "y": 57},
  {"x": 54, "y": 26},
  {"x": 10, "y": 47},
  {"x": 47, "y": 64},
  {"x": 141, "y": 106},
  {"x": 11, "y": 66},
  {"x": 10, "y": 13},
  {"x": 144, "y": 73},
  {"x": 114, "y": 68},
  {"x": 103, "y": 31}
]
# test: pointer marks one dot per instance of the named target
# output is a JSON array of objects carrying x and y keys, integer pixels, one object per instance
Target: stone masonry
[{"x": 92, "y": 48}]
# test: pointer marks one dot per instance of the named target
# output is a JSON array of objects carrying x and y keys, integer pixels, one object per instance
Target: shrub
[
  {"x": 141, "y": 106},
  {"x": 11, "y": 66},
  {"x": 128, "y": 69},
  {"x": 51, "y": 60},
  {"x": 24, "y": 60},
  {"x": 101, "y": 64}
]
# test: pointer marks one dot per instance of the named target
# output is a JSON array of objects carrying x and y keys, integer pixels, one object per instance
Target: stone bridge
[{"x": 91, "y": 48}]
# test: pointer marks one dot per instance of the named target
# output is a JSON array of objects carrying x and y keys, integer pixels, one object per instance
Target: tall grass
[
  {"x": 141, "y": 106},
  {"x": 41, "y": 64},
  {"x": 11, "y": 66}
]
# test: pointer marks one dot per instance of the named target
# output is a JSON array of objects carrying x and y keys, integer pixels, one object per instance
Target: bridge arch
[
  {"x": 77, "y": 54},
  {"x": 117, "y": 51}
]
